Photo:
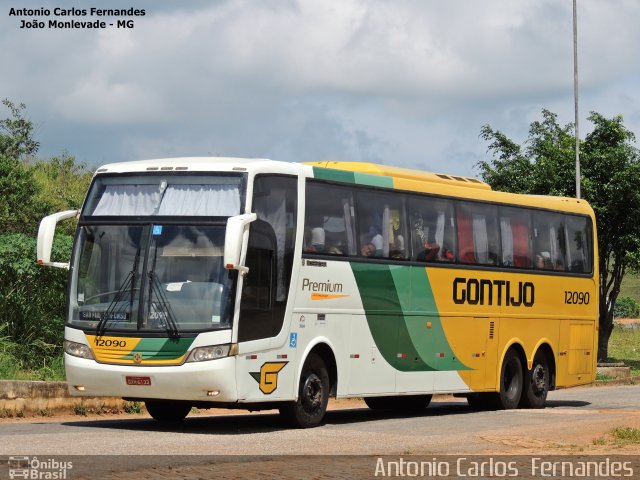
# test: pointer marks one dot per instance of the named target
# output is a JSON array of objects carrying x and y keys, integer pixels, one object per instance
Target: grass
[
  {"x": 624, "y": 346},
  {"x": 631, "y": 286},
  {"x": 626, "y": 435},
  {"x": 620, "y": 436},
  {"x": 132, "y": 407},
  {"x": 12, "y": 367}
]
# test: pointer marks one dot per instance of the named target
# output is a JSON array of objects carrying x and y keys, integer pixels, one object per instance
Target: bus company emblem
[
  {"x": 267, "y": 377},
  {"x": 323, "y": 290},
  {"x": 137, "y": 358},
  {"x": 474, "y": 291}
]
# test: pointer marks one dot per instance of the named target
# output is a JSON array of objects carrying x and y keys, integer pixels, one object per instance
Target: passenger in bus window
[
  {"x": 368, "y": 250},
  {"x": 376, "y": 240},
  {"x": 447, "y": 256},
  {"x": 317, "y": 239},
  {"x": 396, "y": 248},
  {"x": 430, "y": 252}
]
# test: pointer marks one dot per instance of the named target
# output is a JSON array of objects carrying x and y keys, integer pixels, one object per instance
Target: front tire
[
  {"x": 313, "y": 395},
  {"x": 536, "y": 385},
  {"x": 511, "y": 382},
  {"x": 167, "y": 411}
]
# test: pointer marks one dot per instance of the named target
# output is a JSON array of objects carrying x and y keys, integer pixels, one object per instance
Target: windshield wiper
[
  {"x": 128, "y": 287},
  {"x": 155, "y": 289}
]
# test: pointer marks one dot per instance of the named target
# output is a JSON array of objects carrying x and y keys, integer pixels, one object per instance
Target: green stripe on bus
[
  {"x": 333, "y": 175},
  {"x": 373, "y": 180},
  {"x": 161, "y": 348},
  {"x": 352, "y": 177},
  {"x": 398, "y": 303},
  {"x": 426, "y": 340}
]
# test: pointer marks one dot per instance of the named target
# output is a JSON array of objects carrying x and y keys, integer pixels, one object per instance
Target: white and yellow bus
[{"x": 256, "y": 284}]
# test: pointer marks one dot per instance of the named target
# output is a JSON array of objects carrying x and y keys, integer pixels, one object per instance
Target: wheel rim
[
  {"x": 312, "y": 394},
  {"x": 538, "y": 379}
]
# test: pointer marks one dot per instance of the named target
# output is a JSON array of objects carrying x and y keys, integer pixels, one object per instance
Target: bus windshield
[{"x": 150, "y": 278}]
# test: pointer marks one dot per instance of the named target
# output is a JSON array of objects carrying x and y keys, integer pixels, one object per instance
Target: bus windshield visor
[
  {"x": 164, "y": 195},
  {"x": 150, "y": 278}
]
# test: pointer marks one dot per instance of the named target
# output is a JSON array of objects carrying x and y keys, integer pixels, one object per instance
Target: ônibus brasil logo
[{"x": 34, "y": 468}]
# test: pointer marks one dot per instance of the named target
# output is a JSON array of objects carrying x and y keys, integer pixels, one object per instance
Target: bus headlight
[
  {"x": 78, "y": 349},
  {"x": 212, "y": 352}
]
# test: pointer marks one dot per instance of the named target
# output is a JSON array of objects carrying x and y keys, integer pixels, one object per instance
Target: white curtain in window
[
  {"x": 507, "y": 241},
  {"x": 569, "y": 248},
  {"x": 439, "y": 237},
  {"x": 480, "y": 238},
  {"x": 553, "y": 244},
  {"x": 348, "y": 225},
  {"x": 386, "y": 230},
  {"x": 128, "y": 200},
  {"x": 201, "y": 200}
]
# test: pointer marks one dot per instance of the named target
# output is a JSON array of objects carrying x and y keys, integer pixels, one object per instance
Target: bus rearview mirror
[
  {"x": 46, "y": 232},
  {"x": 235, "y": 237}
]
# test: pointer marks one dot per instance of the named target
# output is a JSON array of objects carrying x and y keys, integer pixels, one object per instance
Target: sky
[{"x": 407, "y": 83}]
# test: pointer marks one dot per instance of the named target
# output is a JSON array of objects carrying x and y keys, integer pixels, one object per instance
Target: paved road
[{"x": 575, "y": 421}]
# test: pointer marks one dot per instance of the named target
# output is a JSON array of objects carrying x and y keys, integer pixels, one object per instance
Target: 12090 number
[
  {"x": 576, "y": 298},
  {"x": 100, "y": 342}
]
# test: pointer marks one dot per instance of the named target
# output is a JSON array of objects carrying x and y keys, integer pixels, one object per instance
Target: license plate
[{"x": 141, "y": 381}]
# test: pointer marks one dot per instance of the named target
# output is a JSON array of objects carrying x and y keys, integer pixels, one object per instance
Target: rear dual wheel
[
  {"x": 511, "y": 382},
  {"x": 518, "y": 387},
  {"x": 536, "y": 384}
]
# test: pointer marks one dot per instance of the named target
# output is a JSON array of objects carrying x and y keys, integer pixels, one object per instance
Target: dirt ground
[{"x": 560, "y": 439}]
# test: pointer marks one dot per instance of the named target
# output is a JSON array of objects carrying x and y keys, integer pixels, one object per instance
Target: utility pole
[{"x": 575, "y": 95}]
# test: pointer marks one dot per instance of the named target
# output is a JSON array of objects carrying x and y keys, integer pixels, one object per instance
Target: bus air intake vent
[
  {"x": 491, "y": 330},
  {"x": 460, "y": 179},
  {"x": 446, "y": 177}
]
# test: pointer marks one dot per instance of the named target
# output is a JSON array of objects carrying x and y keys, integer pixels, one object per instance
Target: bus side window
[
  {"x": 477, "y": 233},
  {"x": 381, "y": 224},
  {"x": 515, "y": 233},
  {"x": 329, "y": 220},
  {"x": 549, "y": 241},
  {"x": 578, "y": 232},
  {"x": 432, "y": 229}
]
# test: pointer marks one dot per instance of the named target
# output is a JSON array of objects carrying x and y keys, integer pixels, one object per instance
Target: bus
[{"x": 258, "y": 284}]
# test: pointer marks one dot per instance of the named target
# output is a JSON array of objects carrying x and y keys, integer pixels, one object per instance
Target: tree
[
  {"x": 20, "y": 208},
  {"x": 62, "y": 183},
  {"x": 32, "y": 297},
  {"x": 610, "y": 166},
  {"x": 16, "y": 133}
]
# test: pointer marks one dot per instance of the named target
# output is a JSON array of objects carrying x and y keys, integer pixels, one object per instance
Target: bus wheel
[
  {"x": 166, "y": 411},
  {"x": 536, "y": 385},
  {"x": 405, "y": 402},
  {"x": 510, "y": 382},
  {"x": 313, "y": 395}
]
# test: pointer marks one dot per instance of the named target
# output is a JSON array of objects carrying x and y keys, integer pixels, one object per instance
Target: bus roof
[
  {"x": 406, "y": 173},
  {"x": 446, "y": 185},
  {"x": 363, "y": 173}
]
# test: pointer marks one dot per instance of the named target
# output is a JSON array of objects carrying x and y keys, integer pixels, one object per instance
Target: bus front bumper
[{"x": 213, "y": 380}]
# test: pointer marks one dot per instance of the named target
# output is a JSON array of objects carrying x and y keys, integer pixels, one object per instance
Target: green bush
[
  {"x": 32, "y": 303},
  {"x": 626, "y": 307}
]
